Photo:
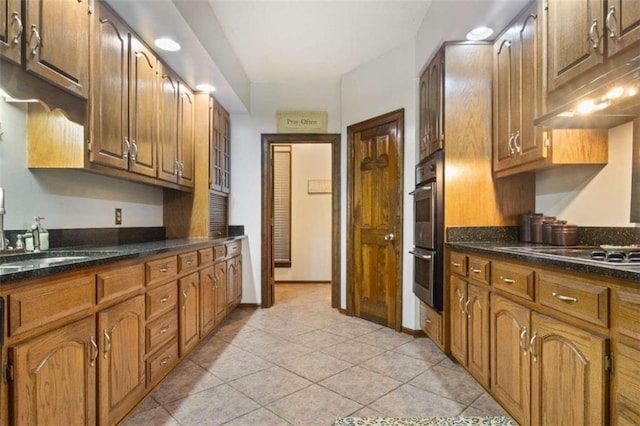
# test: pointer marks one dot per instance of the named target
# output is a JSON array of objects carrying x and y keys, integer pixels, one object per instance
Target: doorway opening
[{"x": 272, "y": 146}]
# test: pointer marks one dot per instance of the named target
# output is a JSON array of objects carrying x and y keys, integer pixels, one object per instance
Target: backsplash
[{"x": 97, "y": 237}]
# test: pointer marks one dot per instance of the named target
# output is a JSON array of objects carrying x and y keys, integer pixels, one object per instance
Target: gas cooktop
[{"x": 604, "y": 254}]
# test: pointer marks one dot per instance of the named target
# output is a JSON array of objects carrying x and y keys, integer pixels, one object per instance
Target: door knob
[{"x": 389, "y": 237}]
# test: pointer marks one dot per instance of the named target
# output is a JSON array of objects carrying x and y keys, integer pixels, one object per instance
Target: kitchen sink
[{"x": 31, "y": 261}]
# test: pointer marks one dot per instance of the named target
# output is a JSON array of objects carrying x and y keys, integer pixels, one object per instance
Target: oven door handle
[
  {"x": 421, "y": 256},
  {"x": 421, "y": 189}
]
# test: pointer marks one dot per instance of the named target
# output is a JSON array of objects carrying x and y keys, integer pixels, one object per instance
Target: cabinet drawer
[
  {"x": 459, "y": 264},
  {"x": 233, "y": 249},
  {"x": 161, "y": 331},
  {"x": 205, "y": 256},
  {"x": 118, "y": 282},
  {"x": 513, "y": 279},
  {"x": 35, "y": 307},
  {"x": 431, "y": 323},
  {"x": 187, "y": 261},
  {"x": 626, "y": 320},
  {"x": 574, "y": 296},
  {"x": 220, "y": 252},
  {"x": 158, "y": 270},
  {"x": 479, "y": 269},
  {"x": 161, "y": 363},
  {"x": 162, "y": 299}
]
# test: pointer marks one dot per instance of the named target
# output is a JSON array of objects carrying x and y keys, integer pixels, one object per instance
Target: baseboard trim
[
  {"x": 302, "y": 282},
  {"x": 249, "y": 305},
  {"x": 414, "y": 333}
]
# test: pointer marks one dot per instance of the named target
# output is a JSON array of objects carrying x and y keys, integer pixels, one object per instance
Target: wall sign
[{"x": 302, "y": 121}]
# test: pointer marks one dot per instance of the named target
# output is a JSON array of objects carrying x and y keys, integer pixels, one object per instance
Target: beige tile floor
[{"x": 303, "y": 363}]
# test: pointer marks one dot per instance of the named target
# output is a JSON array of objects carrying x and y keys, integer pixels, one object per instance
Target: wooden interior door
[{"x": 375, "y": 212}]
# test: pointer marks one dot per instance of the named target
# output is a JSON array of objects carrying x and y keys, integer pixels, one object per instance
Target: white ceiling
[{"x": 233, "y": 43}]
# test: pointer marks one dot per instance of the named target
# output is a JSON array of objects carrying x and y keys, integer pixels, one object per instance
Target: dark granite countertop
[
  {"x": 552, "y": 256},
  {"x": 85, "y": 257}
]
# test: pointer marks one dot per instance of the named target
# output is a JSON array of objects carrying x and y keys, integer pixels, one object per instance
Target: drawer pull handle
[
  {"x": 164, "y": 269},
  {"x": 466, "y": 308},
  {"x": 163, "y": 330},
  {"x": 567, "y": 299},
  {"x": 165, "y": 361},
  {"x": 16, "y": 18},
  {"x": 184, "y": 302},
  {"x": 476, "y": 270},
  {"x": 189, "y": 262},
  {"x": 507, "y": 280},
  {"x": 427, "y": 321},
  {"x": 455, "y": 264},
  {"x": 594, "y": 36},
  {"x": 107, "y": 342},
  {"x": 165, "y": 299}
]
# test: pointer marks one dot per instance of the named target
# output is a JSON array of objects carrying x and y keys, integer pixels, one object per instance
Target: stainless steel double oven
[{"x": 428, "y": 232}]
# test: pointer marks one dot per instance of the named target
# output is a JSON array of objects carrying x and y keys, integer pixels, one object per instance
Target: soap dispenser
[{"x": 42, "y": 233}]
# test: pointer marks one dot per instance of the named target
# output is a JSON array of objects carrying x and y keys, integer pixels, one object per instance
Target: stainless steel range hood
[{"x": 608, "y": 101}]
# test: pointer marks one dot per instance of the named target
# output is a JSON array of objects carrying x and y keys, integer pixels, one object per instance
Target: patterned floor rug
[{"x": 425, "y": 421}]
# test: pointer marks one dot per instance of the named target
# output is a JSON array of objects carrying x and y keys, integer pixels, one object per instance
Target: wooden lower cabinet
[
  {"x": 431, "y": 324},
  {"x": 55, "y": 377},
  {"x": 568, "y": 377},
  {"x": 121, "y": 379},
  {"x": 220, "y": 284},
  {"x": 234, "y": 282},
  {"x": 625, "y": 397},
  {"x": 207, "y": 301},
  {"x": 470, "y": 327},
  {"x": 510, "y": 367},
  {"x": 189, "y": 307}
]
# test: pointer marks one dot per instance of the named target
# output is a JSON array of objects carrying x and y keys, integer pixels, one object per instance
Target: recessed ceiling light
[
  {"x": 204, "y": 87},
  {"x": 480, "y": 33},
  {"x": 167, "y": 44}
]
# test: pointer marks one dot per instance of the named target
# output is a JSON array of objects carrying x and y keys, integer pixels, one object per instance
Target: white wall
[
  {"x": 591, "y": 195},
  {"x": 383, "y": 85},
  {"x": 245, "y": 201},
  {"x": 66, "y": 198},
  {"x": 310, "y": 216}
]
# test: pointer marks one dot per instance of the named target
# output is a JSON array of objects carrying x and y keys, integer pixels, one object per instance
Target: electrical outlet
[{"x": 118, "y": 216}]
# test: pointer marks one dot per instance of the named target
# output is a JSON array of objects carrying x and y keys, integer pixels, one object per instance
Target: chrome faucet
[{"x": 3, "y": 245}]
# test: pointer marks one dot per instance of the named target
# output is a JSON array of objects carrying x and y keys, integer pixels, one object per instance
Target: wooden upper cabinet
[
  {"x": 57, "y": 42},
  {"x": 435, "y": 106},
  {"x": 168, "y": 126},
  {"x": 124, "y": 74},
  {"x": 220, "y": 150},
  {"x": 622, "y": 25},
  {"x": 423, "y": 149},
  {"x": 143, "y": 108},
  {"x": 11, "y": 31},
  {"x": 517, "y": 92},
  {"x": 186, "y": 136},
  {"x": 55, "y": 377},
  {"x": 575, "y": 42}
]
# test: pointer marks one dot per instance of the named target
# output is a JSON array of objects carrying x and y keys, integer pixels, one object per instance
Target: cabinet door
[
  {"x": 189, "y": 310},
  {"x": 57, "y": 42},
  {"x": 55, "y": 377},
  {"x": 217, "y": 148},
  {"x": 186, "y": 136},
  {"x": 528, "y": 139},
  {"x": 574, "y": 33},
  {"x": 623, "y": 25},
  {"x": 232, "y": 272},
  {"x": 625, "y": 406},
  {"x": 423, "y": 93},
  {"x": 568, "y": 374},
  {"x": 122, "y": 373},
  {"x": 220, "y": 280},
  {"x": 109, "y": 98},
  {"x": 503, "y": 63},
  {"x": 435, "y": 108},
  {"x": 238, "y": 279},
  {"x": 226, "y": 157},
  {"x": 207, "y": 301},
  {"x": 168, "y": 125},
  {"x": 143, "y": 109},
  {"x": 10, "y": 30},
  {"x": 510, "y": 367},
  {"x": 458, "y": 298},
  {"x": 478, "y": 333}
]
